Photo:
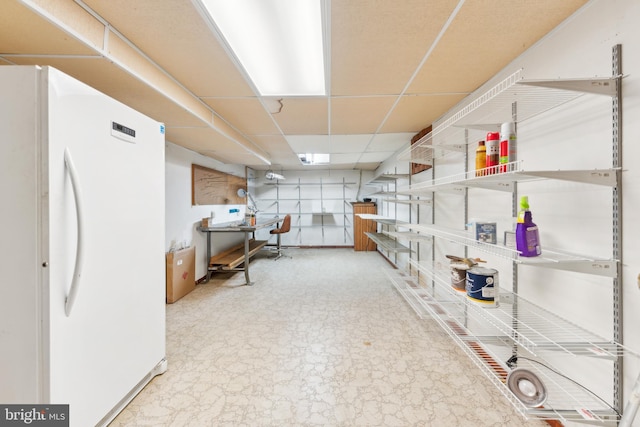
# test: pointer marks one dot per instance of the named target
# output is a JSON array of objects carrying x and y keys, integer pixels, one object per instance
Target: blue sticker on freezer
[{"x": 162, "y": 129}]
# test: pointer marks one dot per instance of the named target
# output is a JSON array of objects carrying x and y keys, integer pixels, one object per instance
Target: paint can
[
  {"x": 459, "y": 276},
  {"x": 482, "y": 286}
]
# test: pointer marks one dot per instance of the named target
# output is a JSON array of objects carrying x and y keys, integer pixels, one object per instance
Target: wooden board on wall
[
  {"x": 419, "y": 167},
  {"x": 212, "y": 187}
]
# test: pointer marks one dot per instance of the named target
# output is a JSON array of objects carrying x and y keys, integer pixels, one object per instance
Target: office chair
[{"x": 284, "y": 228}]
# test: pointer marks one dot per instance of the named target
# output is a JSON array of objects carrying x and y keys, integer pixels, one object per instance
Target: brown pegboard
[{"x": 212, "y": 187}]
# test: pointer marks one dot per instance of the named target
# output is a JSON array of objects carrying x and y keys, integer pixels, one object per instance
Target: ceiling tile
[
  {"x": 414, "y": 113},
  {"x": 329, "y": 143},
  {"x": 341, "y": 158},
  {"x": 390, "y": 141},
  {"x": 349, "y": 143},
  {"x": 278, "y": 149},
  {"x": 484, "y": 38},
  {"x": 246, "y": 114},
  {"x": 359, "y": 114},
  {"x": 377, "y": 46},
  {"x": 294, "y": 118},
  {"x": 379, "y": 156},
  {"x": 309, "y": 143}
]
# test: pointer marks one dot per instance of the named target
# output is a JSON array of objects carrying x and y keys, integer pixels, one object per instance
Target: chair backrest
[{"x": 286, "y": 224}]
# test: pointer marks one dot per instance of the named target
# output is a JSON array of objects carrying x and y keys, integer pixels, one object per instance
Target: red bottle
[{"x": 493, "y": 152}]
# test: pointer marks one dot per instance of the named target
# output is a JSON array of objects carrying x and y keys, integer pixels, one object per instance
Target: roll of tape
[{"x": 527, "y": 387}]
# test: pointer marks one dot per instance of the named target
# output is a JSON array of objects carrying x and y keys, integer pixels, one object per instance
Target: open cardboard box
[{"x": 181, "y": 272}]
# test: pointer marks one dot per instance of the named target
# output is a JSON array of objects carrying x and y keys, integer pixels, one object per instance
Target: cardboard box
[{"x": 181, "y": 273}]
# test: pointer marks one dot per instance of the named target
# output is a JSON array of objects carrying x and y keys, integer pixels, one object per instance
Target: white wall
[
  {"x": 576, "y": 217},
  {"x": 182, "y": 218}
]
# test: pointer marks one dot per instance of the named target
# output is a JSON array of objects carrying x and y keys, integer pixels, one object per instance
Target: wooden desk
[{"x": 231, "y": 259}]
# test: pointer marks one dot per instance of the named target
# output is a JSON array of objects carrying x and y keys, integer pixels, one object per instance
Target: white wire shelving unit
[
  {"x": 534, "y": 329},
  {"x": 528, "y": 328}
]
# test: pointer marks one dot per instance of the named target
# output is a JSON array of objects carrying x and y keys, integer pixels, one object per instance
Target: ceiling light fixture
[
  {"x": 271, "y": 175},
  {"x": 314, "y": 158},
  {"x": 279, "y": 43}
]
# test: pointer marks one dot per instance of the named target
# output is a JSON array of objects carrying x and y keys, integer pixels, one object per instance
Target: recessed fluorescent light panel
[
  {"x": 279, "y": 43},
  {"x": 314, "y": 158}
]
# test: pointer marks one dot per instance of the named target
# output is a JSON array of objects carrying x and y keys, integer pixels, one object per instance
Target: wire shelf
[
  {"x": 534, "y": 328},
  {"x": 414, "y": 237},
  {"x": 550, "y": 257},
  {"x": 494, "y": 107},
  {"x": 566, "y": 401},
  {"x": 384, "y": 220},
  {"x": 388, "y": 177},
  {"x": 387, "y": 243},
  {"x": 409, "y": 201},
  {"x": 503, "y": 177}
]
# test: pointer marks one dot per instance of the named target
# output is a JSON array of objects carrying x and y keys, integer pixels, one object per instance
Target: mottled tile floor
[{"x": 321, "y": 339}]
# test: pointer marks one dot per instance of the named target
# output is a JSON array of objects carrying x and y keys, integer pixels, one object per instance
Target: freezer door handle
[{"x": 77, "y": 271}]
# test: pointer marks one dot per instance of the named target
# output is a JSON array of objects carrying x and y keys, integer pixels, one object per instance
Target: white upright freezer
[{"x": 82, "y": 301}]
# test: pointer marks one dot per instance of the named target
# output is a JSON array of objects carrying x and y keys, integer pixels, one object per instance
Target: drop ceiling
[{"x": 395, "y": 67}]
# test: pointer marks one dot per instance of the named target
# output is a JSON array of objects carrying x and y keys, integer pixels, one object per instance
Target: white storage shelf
[
  {"x": 409, "y": 201},
  {"x": 387, "y": 243},
  {"x": 388, "y": 178},
  {"x": 494, "y": 107},
  {"x": 550, "y": 258},
  {"x": 491, "y": 179},
  {"x": 517, "y": 323},
  {"x": 534, "y": 329},
  {"x": 384, "y": 220}
]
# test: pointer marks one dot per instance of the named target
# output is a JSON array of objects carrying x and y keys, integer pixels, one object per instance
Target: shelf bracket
[
  {"x": 598, "y": 86},
  {"x": 606, "y": 177}
]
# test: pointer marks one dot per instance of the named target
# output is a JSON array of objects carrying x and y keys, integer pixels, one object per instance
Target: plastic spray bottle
[{"x": 527, "y": 237}]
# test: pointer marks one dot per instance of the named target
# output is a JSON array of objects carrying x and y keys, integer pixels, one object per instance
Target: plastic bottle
[
  {"x": 527, "y": 236},
  {"x": 493, "y": 152},
  {"x": 508, "y": 145},
  {"x": 481, "y": 158}
]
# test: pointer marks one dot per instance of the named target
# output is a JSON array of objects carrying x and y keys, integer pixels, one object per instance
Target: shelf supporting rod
[{"x": 617, "y": 222}]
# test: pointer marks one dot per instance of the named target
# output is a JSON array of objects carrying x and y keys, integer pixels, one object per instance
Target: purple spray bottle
[{"x": 527, "y": 237}]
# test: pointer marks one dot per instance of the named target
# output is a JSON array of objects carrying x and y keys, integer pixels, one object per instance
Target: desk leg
[
  {"x": 208, "y": 276},
  {"x": 246, "y": 258}
]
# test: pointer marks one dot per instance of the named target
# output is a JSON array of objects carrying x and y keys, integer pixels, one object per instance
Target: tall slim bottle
[
  {"x": 493, "y": 152},
  {"x": 481, "y": 158}
]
